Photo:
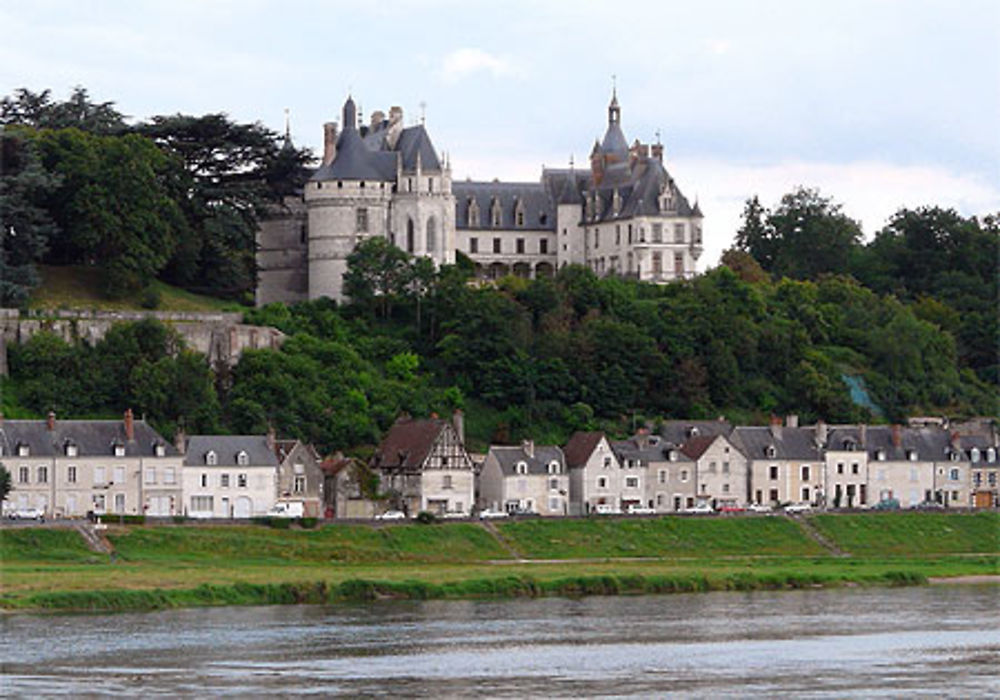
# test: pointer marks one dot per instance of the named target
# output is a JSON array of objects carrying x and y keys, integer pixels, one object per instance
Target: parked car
[
  {"x": 491, "y": 514},
  {"x": 641, "y": 510},
  {"x": 732, "y": 508},
  {"x": 930, "y": 505},
  {"x": 887, "y": 504},
  {"x": 759, "y": 508},
  {"x": 391, "y": 515},
  {"x": 27, "y": 514},
  {"x": 607, "y": 509},
  {"x": 700, "y": 509},
  {"x": 287, "y": 509},
  {"x": 798, "y": 508},
  {"x": 455, "y": 515}
]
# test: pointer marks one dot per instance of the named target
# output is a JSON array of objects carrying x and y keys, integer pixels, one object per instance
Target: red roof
[
  {"x": 408, "y": 443},
  {"x": 696, "y": 446},
  {"x": 580, "y": 446}
]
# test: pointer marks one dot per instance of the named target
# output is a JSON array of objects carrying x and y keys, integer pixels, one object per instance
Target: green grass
[
  {"x": 79, "y": 287},
  {"x": 658, "y": 537},
  {"x": 452, "y": 542},
  {"x": 880, "y": 534},
  {"x": 24, "y": 544}
]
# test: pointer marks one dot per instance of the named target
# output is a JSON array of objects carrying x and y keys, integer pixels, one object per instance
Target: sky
[{"x": 880, "y": 104}]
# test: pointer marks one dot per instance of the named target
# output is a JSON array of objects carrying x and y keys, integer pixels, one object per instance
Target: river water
[{"x": 930, "y": 641}]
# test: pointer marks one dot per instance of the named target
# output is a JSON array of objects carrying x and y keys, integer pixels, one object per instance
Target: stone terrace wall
[{"x": 221, "y": 337}]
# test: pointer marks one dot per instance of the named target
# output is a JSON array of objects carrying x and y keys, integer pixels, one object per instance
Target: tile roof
[
  {"x": 92, "y": 438},
  {"x": 408, "y": 443},
  {"x": 696, "y": 446},
  {"x": 580, "y": 446},
  {"x": 226, "y": 447}
]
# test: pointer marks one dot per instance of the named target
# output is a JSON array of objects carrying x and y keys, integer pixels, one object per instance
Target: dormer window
[
  {"x": 974, "y": 454},
  {"x": 654, "y": 440},
  {"x": 71, "y": 449},
  {"x": 211, "y": 458},
  {"x": 771, "y": 451},
  {"x": 521, "y": 468},
  {"x": 880, "y": 455},
  {"x": 518, "y": 214},
  {"x": 119, "y": 450},
  {"x": 495, "y": 213},
  {"x": 159, "y": 449},
  {"x": 553, "y": 467},
  {"x": 991, "y": 454},
  {"x": 23, "y": 450},
  {"x": 242, "y": 458},
  {"x": 672, "y": 455},
  {"x": 911, "y": 455},
  {"x": 473, "y": 220},
  {"x": 616, "y": 202}
]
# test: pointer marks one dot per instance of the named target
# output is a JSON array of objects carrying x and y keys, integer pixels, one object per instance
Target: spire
[
  {"x": 350, "y": 114},
  {"x": 614, "y": 111},
  {"x": 287, "y": 143}
]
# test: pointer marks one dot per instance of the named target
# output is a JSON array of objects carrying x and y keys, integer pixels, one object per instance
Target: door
[
  {"x": 243, "y": 508},
  {"x": 984, "y": 499},
  {"x": 226, "y": 512},
  {"x": 71, "y": 504}
]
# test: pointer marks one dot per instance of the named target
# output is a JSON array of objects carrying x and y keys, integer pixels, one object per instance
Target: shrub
[
  {"x": 150, "y": 298},
  {"x": 308, "y": 523},
  {"x": 425, "y": 517}
]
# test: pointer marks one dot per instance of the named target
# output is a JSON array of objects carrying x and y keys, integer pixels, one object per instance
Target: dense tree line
[{"x": 176, "y": 198}]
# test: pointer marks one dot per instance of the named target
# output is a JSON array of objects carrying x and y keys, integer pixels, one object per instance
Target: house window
[
  {"x": 473, "y": 245},
  {"x": 520, "y": 246},
  {"x": 678, "y": 233},
  {"x": 607, "y": 463},
  {"x": 660, "y": 500},
  {"x": 553, "y": 484},
  {"x": 23, "y": 450},
  {"x": 169, "y": 476},
  {"x": 543, "y": 246},
  {"x": 473, "y": 214},
  {"x": 711, "y": 467},
  {"x": 23, "y": 475},
  {"x": 242, "y": 458},
  {"x": 211, "y": 459},
  {"x": 496, "y": 245},
  {"x": 773, "y": 472},
  {"x": 149, "y": 475},
  {"x": 855, "y": 468},
  {"x": 203, "y": 481},
  {"x": 202, "y": 504},
  {"x": 684, "y": 475},
  {"x": 725, "y": 488},
  {"x": 805, "y": 494},
  {"x": 119, "y": 475},
  {"x": 618, "y": 234},
  {"x": 71, "y": 474},
  {"x": 224, "y": 480},
  {"x": 805, "y": 473},
  {"x": 953, "y": 475},
  {"x": 657, "y": 233},
  {"x": 430, "y": 184},
  {"x": 361, "y": 220},
  {"x": 597, "y": 238},
  {"x": 974, "y": 454},
  {"x": 602, "y": 482},
  {"x": 446, "y": 481},
  {"x": 519, "y": 218},
  {"x": 495, "y": 216},
  {"x": 662, "y": 476},
  {"x": 241, "y": 480},
  {"x": 99, "y": 475},
  {"x": 299, "y": 484},
  {"x": 553, "y": 467},
  {"x": 631, "y": 482},
  {"x": 725, "y": 467},
  {"x": 840, "y": 467},
  {"x": 773, "y": 495},
  {"x": 43, "y": 475},
  {"x": 554, "y": 503}
]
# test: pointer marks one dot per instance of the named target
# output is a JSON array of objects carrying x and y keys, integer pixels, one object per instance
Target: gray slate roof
[
  {"x": 789, "y": 443},
  {"x": 226, "y": 448},
  {"x": 539, "y": 209},
  {"x": 93, "y": 438},
  {"x": 508, "y": 457},
  {"x": 678, "y": 432},
  {"x": 640, "y": 447},
  {"x": 929, "y": 443}
]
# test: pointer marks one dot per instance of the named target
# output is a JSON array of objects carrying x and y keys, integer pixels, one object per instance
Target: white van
[{"x": 287, "y": 509}]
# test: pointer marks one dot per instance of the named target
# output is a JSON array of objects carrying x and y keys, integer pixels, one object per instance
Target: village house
[
  {"x": 525, "y": 479},
  {"x": 655, "y": 474},
  {"x": 229, "y": 476},
  {"x": 422, "y": 465},
  {"x": 300, "y": 478},
  {"x": 785, "y": 463},
  {"x": 344, "y": 494},
  {"x": 901, "y": 463},
  {"x": 984, "y": 470},
  {"x": 720, "y": 471},
  {"x": 594, "y": 474},
  {"x": 68, "y": 468},
  {"x": 845, "y": 465}
]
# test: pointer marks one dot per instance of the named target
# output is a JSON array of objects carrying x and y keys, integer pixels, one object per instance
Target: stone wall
[{"x": 221, "y": 337}]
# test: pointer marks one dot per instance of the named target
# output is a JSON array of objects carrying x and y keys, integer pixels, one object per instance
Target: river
[{"x": 931, "y": 641}]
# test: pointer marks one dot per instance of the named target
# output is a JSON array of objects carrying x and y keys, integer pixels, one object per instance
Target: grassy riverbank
[{"x": 172, "y": 566}]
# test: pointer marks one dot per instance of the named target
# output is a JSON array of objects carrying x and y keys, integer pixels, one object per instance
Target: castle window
[
  {"x": 473, "y": 245},
  {"x": 657, "y": 263},
  {"x": 430, "y": 184},
  {"x": 597, "y": 238},
  {"x": 362, "y": 184},
  {"x": 409, "y": 236},
  {"x": 678, "y": 233},
  {"x": 340, "y": 184},
  {"x": 361, "y": 218},
  {"x": 23, "y": 475},
  {"x": 696, "y": 237},
  {"x": 618, "y": 234},
  {"x": 495, "y": 214},
  {"x": 520, "y": 246},
  {"x": 431, "y": 235},
  {"x": 473, "y": 214},
  {"x": 543, "y": 219},
  {"x": 616, "y": 202},
  {"x": 302, "y": 233},
  {"x": 496, "y": 245},
  {"x": 630, "y": 233},
  {"x": 409, "y": 184},
  {"x": 657, "y": 233},
  {"x": 679, "y": 264},
  {"x": 543, "y": 246}
]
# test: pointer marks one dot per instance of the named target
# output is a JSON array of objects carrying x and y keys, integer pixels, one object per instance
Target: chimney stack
[
  {"x": 863, "y": 434},
  {"x": 180, "y": 441},
  {"x": 271, "y": 436},
  {"x": 50, "y": 422},
  {"x": 897, "y": 435},
  {"x": 329, "y": 142},
  {"x": 529, "y": 448},
  {"x": 821, "y": 433},
  {"x": 792, "y": 420},
  {"x": 458, "y": 422},
  {"x": 129, "y": 425},
  {"x": 776, "y": 427}
]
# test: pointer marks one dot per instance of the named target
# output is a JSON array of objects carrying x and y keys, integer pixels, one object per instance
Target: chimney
[
  {"x": 378, "y": 116},
  {"x": 271, "y": 436},
  {"x": 50, "y": 422},
  {"x": 956, "y": 439},
  {"x": 180, "y": 441},
  {"x": 529, "y": 448},
  {"x": 657, "y": 149},
  {"x": 863, "y": 434},
  {"x": 821, "y": 433},
  {"x": 434, "y": 415},
  {"x": 458, "y": 422},
  {"x": 129, "y": 425},
  {"x": 792, "y": 420},
  {"x": 329, "y": 142},
  {"x": 897, "y": 435},
  {"x": 776, "y": 427}
]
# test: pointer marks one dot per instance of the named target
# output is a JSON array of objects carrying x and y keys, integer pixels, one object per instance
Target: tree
[
  {"x": 377, "y": 273},
  {"x": 37, "y": 109},
  {"x": 25, "y": 224},
  {"x": 5, "y": 483}
]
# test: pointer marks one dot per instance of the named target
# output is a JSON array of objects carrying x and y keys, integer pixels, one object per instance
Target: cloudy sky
[{"x": 878, "y": 103}]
